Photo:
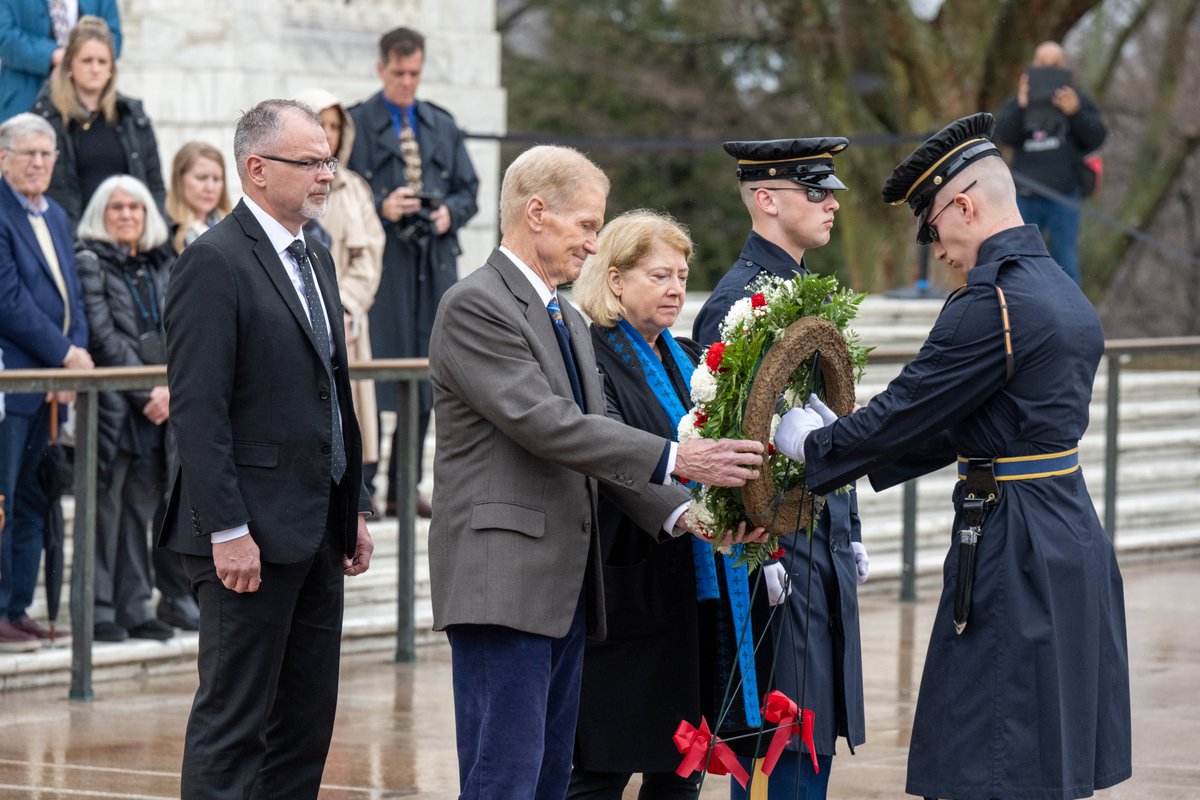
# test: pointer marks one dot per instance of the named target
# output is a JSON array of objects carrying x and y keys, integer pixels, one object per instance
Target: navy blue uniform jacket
[{"x": 1032, "y": 700}]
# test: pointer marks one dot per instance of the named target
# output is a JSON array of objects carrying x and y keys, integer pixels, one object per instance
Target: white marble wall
[{"x": 196, "y": 65}]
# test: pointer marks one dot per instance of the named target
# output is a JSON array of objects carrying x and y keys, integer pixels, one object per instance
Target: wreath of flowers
[{"x": 722, "y": 381}]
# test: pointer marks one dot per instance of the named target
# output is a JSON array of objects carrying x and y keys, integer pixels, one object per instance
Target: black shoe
[
  {"x": 152, "y": 629},
  {"x": 182, "y": 612},
  {"x": 109, "y": 632}
]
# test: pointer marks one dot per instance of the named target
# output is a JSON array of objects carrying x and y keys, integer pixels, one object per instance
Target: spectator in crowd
[
  {"x": 356, "y": 244},
  {"x": 197, "y": 198},
  {"x": 100, "y": 131},
  {"x": 1050, "y": 131},
  {"x": 1025, "y": 691},
  {"x": 33, "y": 39},
  {"x": 789, "y": 188},
  {"x": 42, "y": 325},
  {"x": 667, "y": 616},
  {"x": 268, "y": 506},
  {"x": 123, "y": 259},
  {"x": 412, "y": 154},
  {"x": 514, "y": 556}
]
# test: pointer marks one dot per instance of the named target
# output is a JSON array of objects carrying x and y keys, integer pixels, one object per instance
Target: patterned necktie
[
  {"x": 60, "y": 25},
  {"x": 564, "y": 344},
  {"x": 411, "y": 152},
  {"x": 316, "y": 314}
]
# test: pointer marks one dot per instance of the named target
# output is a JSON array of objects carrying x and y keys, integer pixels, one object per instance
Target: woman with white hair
[{"x": 123, "y": 259}]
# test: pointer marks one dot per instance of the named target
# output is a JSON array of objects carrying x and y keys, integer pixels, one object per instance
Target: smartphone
[
  {"x": 430, "y": 200},
  {"x": 1045, "y": 81}
]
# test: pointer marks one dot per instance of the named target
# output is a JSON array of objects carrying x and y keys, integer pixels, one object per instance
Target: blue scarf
[{"x": 737, "y": 581}]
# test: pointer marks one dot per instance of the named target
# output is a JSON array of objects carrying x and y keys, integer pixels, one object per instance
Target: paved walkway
[{"x": 395, "y": 733}]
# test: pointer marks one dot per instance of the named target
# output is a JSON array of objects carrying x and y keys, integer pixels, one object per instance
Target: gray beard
[{"x": 314, "y": 207}]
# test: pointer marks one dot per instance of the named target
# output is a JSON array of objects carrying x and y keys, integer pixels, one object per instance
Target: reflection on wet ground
[{"x": 395, "y": 732}]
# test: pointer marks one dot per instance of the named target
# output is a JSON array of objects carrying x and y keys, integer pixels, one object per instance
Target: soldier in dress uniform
[
  {"x": 788, "y": 187},
  {"x": 1026, "y": 686}
]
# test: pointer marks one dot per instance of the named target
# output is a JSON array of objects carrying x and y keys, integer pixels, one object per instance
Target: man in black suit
[{"x": 268, "y": 508}]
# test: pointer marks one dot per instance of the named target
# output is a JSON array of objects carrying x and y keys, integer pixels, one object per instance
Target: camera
[{"x": 430, "y": 200}]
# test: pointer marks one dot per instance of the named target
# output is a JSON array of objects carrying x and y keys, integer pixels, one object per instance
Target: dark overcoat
[
  {"x": 833, "y": 687},
  {"x": 416, "y": 272},
  {"x": 1031, "y": 702}
]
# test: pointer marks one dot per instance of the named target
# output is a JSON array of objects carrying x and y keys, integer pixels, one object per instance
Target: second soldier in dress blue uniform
[{"x": 788, "y": 187}]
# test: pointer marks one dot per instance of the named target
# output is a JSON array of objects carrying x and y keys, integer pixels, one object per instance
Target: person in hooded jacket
[
  {"x": 123, "y": 259},
  {"x": 356, "y": 243}
]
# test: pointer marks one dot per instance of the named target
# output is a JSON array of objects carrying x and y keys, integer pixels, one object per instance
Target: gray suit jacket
[{"x": 515, "y": 477}]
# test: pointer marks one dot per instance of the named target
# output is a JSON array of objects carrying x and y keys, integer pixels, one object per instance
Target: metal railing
[
  {"x": 407, "y": 372},
  {"x": 1117, "y": 353},
  {"x": 87, "y": 384}
]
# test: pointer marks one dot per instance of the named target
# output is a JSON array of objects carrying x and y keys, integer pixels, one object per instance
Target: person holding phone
[{"x": 1051, "y": 126}]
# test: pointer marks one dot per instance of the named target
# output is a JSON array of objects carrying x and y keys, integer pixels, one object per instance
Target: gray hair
[
  {"x": 262, "y": 126},
  {"x": 91, "y": 224},
  {"x": 551, "y": 172},
  {"x": 25, "y": 126}
]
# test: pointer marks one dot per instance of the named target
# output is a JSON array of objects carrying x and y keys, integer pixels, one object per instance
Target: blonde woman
[
  {"x": 100, "y": 131},
  {"x": 198, "y": 198}
]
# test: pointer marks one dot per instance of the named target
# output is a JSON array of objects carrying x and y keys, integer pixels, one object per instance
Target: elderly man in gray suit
[{"x": 522, "y": 447}]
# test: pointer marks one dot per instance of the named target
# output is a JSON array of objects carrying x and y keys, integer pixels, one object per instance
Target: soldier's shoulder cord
[{"x": 1007, "y": 327}]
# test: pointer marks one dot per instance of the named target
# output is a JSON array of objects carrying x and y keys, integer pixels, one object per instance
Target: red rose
[
  {"x": 701, "y": 418},
  {"x": 757, "y": 300},
  {"x": 715, "y": 353},
  {"x": 770, "y": 449},
  {"x": 778, "y": 554}
]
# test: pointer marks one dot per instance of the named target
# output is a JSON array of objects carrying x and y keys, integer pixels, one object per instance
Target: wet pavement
[{"x": 395, "y": 731}]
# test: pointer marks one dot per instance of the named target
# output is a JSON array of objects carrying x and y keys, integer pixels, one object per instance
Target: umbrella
[{"x": 55, "y": 476}]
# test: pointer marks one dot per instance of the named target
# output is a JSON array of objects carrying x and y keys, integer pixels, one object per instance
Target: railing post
[
  {"x": 83, "y": 563},
  {"x": 1111, "y": 424},
  {"x": 908, "y": 545},
  {"x": 408, "y": 393}
]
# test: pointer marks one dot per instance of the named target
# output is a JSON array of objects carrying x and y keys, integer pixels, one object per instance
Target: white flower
[
  {"x": 775, "y": 420},
  {"x": 739, "y": 318},
  {"x": 699, "y": 517},
  {"x": 704, "y": 385},
  {"x": 687, "y": 427}
]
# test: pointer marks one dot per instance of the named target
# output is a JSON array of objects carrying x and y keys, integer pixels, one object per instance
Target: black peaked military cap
[
  {"x": 808, "y": 162},
  {"x": 942, "y": 156}
]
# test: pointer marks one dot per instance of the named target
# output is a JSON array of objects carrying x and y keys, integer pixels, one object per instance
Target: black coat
[
  {"x": 1049, "y": 146},
  {"x": 418, "y": 271},
  {"x": 137, "y": 140},
  {"x": 114, "y": 327},
  {"x": 1032, "y": 700},
  {"x": 250, "y": 400}
]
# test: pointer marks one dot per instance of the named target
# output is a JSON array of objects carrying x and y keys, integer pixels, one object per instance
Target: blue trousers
[
  {"x": 23, "y": 444},
  {"x": 792, "y": 779},
  {"x": 516, "y": 700},
  {"x": 1059, "y": 224}
]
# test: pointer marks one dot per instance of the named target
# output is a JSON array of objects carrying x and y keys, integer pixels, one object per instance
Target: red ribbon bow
[
  {"x": 694, "y": 744},
  {"x": 780, "y": 710}
]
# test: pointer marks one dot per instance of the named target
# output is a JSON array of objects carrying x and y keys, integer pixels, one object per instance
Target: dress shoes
[
  {"x": 152, "y": 629},
  {"x": 107, "y": 631},
  {"x": 181, "y": 612},
  {"x": 15, "y": 640},
  {"x": 33, "y": 629}
]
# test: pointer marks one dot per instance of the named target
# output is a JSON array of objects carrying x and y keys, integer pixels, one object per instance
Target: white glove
[
  {"x": 779, "y": 586},
  {"x": 794, "y": 429},
  {"x": 827, "y": 415},
  {"x": 861, "y": 562}
]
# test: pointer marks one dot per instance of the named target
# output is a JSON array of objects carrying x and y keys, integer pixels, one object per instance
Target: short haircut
[
  {"x": 623, "y": 244},
  {"x": 400, "y": 42},
  {"x": 25, "y": 125},
  {"x": 551, "y": 172},
  {"x": 263, "y": 125},
  {"x": 91, "y": 224}
]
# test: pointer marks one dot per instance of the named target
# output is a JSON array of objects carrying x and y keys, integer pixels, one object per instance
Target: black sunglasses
[
  {"x": 815, "y": 194},
  {"x": 926, "y": 233}
]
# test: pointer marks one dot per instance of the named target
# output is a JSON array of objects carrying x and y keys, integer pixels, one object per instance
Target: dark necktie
[
  {"x": 564, "y": 344},
  {"x": 410, "y": 150},
  {"x": 316, "y": 315}
]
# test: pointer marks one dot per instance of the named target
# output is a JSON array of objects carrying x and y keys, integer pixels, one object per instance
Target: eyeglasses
[
  {"x": 33, "y": 155},
  {"x": 815, "y": 195},
  {"x": 330, "y": 164},
  {"x": 926, "y": 233}
]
